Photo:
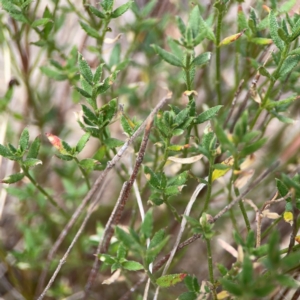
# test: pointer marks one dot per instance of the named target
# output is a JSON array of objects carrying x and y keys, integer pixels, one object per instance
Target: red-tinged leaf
[{"x": 55, "y": 141}]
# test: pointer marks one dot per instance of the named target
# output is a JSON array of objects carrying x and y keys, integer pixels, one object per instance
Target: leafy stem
[
  {"x": 218, "y": 56},
  {"x": 84, "y": 173},
  {"x": 166, "y": 154},
  {"x": 33, "y": 181},
  {"x": 237, "y": 193},
  {"x": 275, "y": 75},
  {"x": 172, "y": 209},
  {"x": 209, "y": 184},
  {"x": 210, "y": 268}
]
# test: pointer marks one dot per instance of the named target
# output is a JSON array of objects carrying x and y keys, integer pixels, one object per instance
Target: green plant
[{"x": 227, "y": 123}]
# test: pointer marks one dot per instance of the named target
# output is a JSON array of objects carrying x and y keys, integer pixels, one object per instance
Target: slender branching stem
[
  {"x": 44, "y": 192},
  {"x": 210, "y": 268},
  {"x": 218, "y": 57}
]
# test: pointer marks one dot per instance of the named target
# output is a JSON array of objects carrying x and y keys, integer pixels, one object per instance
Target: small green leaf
[
  {"x": 13, "y": 178},
  {"x": 34, "y": 148},
  {"x": 261, "y": 41},
  {"x": 273, "y": 25},
  {"x": 106, "y": 258},
  {"x": 295, "y": 31},
  {"x": 178, "y": 132},
  {"x": 96, "y": 12},
  {"x": 289, "y": 64},
  {"x": 273, "y": 257},
  {"x": 121, "y": 253},
  {"x": 188, "y": 296},
  {"x": 90, "y": 30},
  {"x": 89, "y": 114},
  {"x": 152, "y": 178},
  {"x": 261, "y": 292},
  {"x": 282, "y": 118},
  {"x": 115, "y": 267},
  {"x": 167, "y": 56},
  {"x": 121, "y": 10},
  {"x": 282, "y": 34},
  {"x": 282, "y": 189},
  {"x": 181, "y": 25},
  {"x": 169, "y": 280},
  {"x": 282, "y": 104},
  {"x": 148, "y": 8},
  {"x": 88, "y": 163},
  {"x": 194, "y": 21},
  {"x": 53, "y": 74},
  {"x": 85, "y": 69},
  {"x": 98, "y": 74},
  {"x": 207, "y": 115},
  {"x": 156, "y": 245},
  {"x": 192, "y": 284},
  {"x": 157, "y": 239},
  {"x": 247, "y": 272},
  {"x": 132, "y": 265},
  {"x": 181, "y": 117},
  {"x": 66, "y": 147},
  {"x": 294, "y": 52},
  {"x": 201, "y": 59},
  {"x": 127, "y": 239},
  {"x": 24, "y": 140},
  {"x": 83, "y": 92},
  {"x": 224, "y": 140},
  {"x": 233, "y": 288},
  {"x": 107, "y": 5},
  {"x": 40, "y": 22},
  {"x": 179, "y": 179},
  {"x": 287, "y": 281},
  {"x": 82, "y": 142},
  {"x": 31, "y": 162},
  {"x": 111, "y": 143},
  {"x": 173, "y": 190},
  {"x": 5, "y": 152},
  {"x": 126, "y": 126},
  {"x": 253, "y": 147},
  {"x": 147, "y": 225},
  {"x": 115, "y": 55},
  {"x": 264, "y": 72}
]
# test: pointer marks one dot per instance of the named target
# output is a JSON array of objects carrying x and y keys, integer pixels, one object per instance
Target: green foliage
[{"x": 233, "y": 114}]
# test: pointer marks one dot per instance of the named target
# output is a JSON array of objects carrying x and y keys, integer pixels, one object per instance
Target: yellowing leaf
[
  {"x": 188, "y": 160},
  {"x": 250, "y": 159},
  {"x": 288, "y": 217},
  {"x": 231, "y": 38},
  {"x": 223, "y": 295},
  {"x": 297, "y": 239},
  {"x": 189, "y": 93},
  {"x": 219, "y": 173}
]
